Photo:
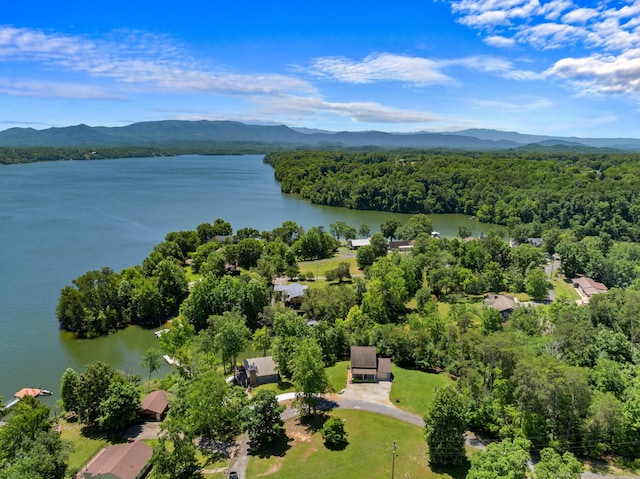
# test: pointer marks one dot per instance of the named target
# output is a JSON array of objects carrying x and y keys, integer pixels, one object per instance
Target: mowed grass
[
  {"x": 84, "y": 448},
  {"x": 320, "y": 267},
  {"x": 413, "y": 391},
  {"x": 338, "y": 375},
  {"x": 563, "y": 289},
  {"x": 368, "y": 453}
]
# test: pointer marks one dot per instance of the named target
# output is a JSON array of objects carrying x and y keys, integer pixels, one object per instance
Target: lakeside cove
[{"x": 62, "y": 219}]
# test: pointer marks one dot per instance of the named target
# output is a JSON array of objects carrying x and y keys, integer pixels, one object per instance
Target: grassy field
[
  {"x": 415, "y": 389},
  {"x": 320, "y": 267},
  {"x": 563, "y": 289},
  {"x": 338, "y": 375},
  {"x": 84, "y": 448},
  {"x": 368, "y": 453}
]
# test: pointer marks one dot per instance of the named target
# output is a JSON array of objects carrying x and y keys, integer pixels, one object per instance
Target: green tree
[
  {"x": 379, "y": 245},
  {"x": 92, "y": 388},
  {"x": 416, "y": 225},
  {"x": 388, "y": 227},
  {"x": 445, "y": 424},
  {"x": 364, "y": 230},
  {"x": 214, "y": 409},
  {"x": 309, "y": 375},
  {"x": 505, "y": 459},
  {"x": 264, "y": 424},
  {"x": 120, "y": 406},
  {"x": 29, "y": 447},
  {"x": 554, "y": 466},
  {"x": 174, "y": 457},
  {"x": 365, "y": 256},
  {"x": 231, "y": 336},
  {"x": 490, "y": 320},
  {"x": 68, "y": 385},
  {"x": 536, "y": 284},
  {"x": 249, "y": 251},
  {"x": 333, "y": 432},
  {"x": 339, "y": 273},
  {"x": 289, "y": 329},
  {"x": 172, "y": 285},
  {"x": 152, "y": 360}
]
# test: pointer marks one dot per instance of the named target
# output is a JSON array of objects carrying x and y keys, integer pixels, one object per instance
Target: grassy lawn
[
  {"x": 84, "y": 448},
  {"x": 415, "y": 389},
  {"x": 367, "y": 455},
  {"x": 338, "y": 375},
  {"x": 563, "y": 289},
  {"x": 320, "y": 267},
  {"x": 191, "y": 276},
  {"x": 279, "y": 388}
]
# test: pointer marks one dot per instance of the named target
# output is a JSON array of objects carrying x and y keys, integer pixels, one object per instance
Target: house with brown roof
[
  {"x": 367, "y": 367},
  {"x": 503, "y": 303},
  {"x": 124, "y": 461},
  {"x": 154, "y": 406},
  {"x": 587, "y": 287}
]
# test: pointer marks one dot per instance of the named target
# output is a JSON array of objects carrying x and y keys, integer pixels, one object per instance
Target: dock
[{"x": 35, "y": 392}]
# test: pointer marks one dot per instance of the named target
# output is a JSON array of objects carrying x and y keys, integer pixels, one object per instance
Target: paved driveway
[{"x": 372, "y": 392}]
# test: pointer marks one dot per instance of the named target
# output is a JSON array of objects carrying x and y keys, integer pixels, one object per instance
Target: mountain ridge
[{"x": 166, "y": 132}]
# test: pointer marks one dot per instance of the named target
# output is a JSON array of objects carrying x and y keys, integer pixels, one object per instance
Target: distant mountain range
[{"x": 172, "y": 132}]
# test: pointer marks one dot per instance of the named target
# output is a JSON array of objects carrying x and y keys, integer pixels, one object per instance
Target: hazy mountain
[
  {"x": 209, "y": 132},
  {"x": 524, "y": 139}
]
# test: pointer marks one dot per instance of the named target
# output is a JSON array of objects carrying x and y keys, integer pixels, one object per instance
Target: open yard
[
  {"x": 413, "y": 391},
  {"x": 320, "y": 267},
  {"x": 84, "y": 448},
  {"x": 368, "y": 454}
]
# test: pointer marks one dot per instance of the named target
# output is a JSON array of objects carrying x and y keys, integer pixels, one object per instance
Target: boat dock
[{"x": 35, "y": 392}]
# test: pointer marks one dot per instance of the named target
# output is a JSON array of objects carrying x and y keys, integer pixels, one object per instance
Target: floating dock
[{"x": 35, "y": 392}]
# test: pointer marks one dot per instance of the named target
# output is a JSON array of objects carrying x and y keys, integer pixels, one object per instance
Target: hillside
[{"x": 172, "y": 132}]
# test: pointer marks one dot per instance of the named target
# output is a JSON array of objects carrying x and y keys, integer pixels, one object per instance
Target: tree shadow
[
  {"x": 284, "y": 385},
  {"x": 457, "y": 472},
  {"x": 336, "y": 446},
  {"x": 313, "y": 423},
  {"x": 278, "y": 447},
  {"x": 326, "y": 404}
]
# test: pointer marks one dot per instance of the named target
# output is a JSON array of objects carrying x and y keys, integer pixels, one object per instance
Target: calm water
[{"x": 59, "y": 220}]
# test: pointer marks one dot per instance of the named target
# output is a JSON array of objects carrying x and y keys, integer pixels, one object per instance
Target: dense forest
[
  {"x": 589, "y": 193},
  {"x": 559, "y": 374}
]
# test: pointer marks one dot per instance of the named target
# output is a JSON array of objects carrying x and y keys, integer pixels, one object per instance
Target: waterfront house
[
  {"x": 124, "y": 461},
  {"x": 261, "y": 371},
  {"x": 154, "y": 406}
]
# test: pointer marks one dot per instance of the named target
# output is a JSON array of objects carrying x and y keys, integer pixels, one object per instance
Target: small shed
[
  {"x": 154, "y": 406},
  {"x": 261, "y": 370},
  {"x": 124, "y": 461}
]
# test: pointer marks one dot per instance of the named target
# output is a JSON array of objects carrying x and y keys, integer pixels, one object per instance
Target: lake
[{"x": 61, "y": 219}]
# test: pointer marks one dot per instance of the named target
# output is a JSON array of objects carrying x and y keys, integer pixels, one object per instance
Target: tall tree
[
  {"x": 152, "y": 360},
  {"x": 309, "y": 374},
  {"x": 445, "y": 424},
  {"x": 92, "y": 388},
  {"x": 68, "y": 385},
  {"x": 388, "y": 227},
  {"x": 231, "y": 336},
  {"x": 506, "y": 459},
  {"x": 264, "y": 424},
  {"x": 120, "y": 406},
  {"x": 536, "y": 284},
  {"x": 554, "y": 466}
]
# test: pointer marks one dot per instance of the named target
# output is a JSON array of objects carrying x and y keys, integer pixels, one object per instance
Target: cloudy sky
[{"x": 558, "y": 67}]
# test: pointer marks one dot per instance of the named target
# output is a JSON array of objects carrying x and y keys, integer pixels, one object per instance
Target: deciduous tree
[{"x": 445, "y": 424}]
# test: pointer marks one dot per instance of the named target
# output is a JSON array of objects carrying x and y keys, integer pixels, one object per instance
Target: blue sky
[{"x": 558, "y": 67}]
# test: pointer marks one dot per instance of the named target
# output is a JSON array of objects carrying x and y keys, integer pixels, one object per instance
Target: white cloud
[
  {"x": 382, "y": 67},
  {"x": 137, "y": 58},
  {"x": 499, "y": 41},
  {"x": 371, "y": 112},
  {"x": 579, "y": 15},
  {"x": 517, "y": 104},
  {"x": 601, "y": 74},
  {"x": 550, "y": 35},
  {"x": 42, "y": 89}
]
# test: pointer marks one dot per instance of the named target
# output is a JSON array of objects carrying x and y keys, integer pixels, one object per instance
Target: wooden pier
[{"x": 35, "y": 392}]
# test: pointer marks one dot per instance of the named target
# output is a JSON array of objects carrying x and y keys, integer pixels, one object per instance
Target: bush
[{"x": 333, "y": 432}]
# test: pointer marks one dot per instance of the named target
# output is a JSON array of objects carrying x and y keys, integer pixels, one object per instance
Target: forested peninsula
[{"x": 589, "y": 193}]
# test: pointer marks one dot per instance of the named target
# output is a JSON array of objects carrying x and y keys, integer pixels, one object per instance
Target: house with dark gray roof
[
  {"x": 261, "y": 371},
  {"x": 367, "y": 367}
]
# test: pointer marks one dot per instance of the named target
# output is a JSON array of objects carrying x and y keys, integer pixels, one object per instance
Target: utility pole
[{"x": 393, "y": 459}]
